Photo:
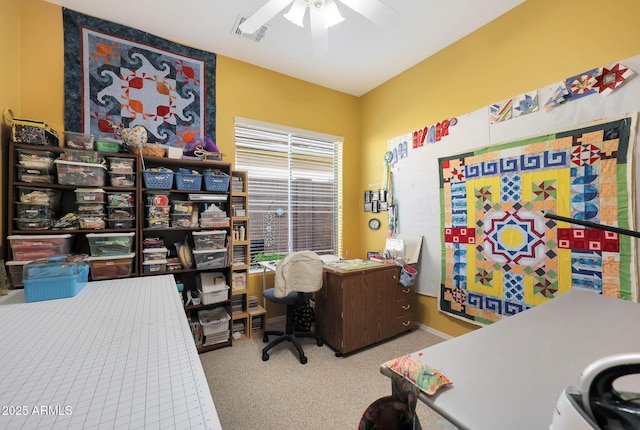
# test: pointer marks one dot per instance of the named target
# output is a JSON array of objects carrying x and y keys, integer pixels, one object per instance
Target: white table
[
  {"x": 119, "y": 354},
  {"x": 510, "y": 374}
]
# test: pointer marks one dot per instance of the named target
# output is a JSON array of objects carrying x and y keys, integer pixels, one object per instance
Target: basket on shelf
[
  {"x": 158, "y": 180},
  {"x": 214, "y": 321},
  {"x": 216, "y": 182},
  {"x": 189, "y": 181},
  {"x": 214, "y": 297}
]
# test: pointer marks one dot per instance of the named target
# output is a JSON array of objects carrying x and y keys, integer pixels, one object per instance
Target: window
[{"x": 294, "y": 187}]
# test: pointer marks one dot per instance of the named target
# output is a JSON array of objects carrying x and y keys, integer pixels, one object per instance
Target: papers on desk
[{"x": 352, "y": 264}]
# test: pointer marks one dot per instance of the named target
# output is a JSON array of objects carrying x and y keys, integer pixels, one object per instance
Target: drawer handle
[
  {"x": 406, "y": 307},
  {"x": 408, "y": 290},
  {"x": 406, "y": 324}
]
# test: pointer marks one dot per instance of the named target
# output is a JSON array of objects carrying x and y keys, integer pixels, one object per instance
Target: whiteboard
[{"x": 415, "y": 178}]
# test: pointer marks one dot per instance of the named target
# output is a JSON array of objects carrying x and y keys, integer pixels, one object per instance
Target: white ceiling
[{"x": 361, "y": 55}]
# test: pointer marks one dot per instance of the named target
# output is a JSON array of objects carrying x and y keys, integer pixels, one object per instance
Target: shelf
[
  {"x": 76, "y": 231},
  {"x": 240, "y": 315},
  {"x": 240, "y": 267},
  {"x": 239, "y": 291},
  {"x": 202, "y": 349},
  {"x": 108, "y": 188},
  {"x": 256, "y": 312}
]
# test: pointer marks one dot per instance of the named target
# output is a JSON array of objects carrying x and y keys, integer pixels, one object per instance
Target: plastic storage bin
[
  {"x": 209, "y": 258},
  {"x": 90, "y": 195},
  {"x": 92, "y": 222},
  {"x": 154, "y": 266},
  {"x": 120, "y": 223},
  {"x": 39, "y": 246},
  {"x": 219, "y": 294},
  {"x": 214, "y": 222},
  {"x": 15, "y": 269},
  {"x": 77, "y": 173},
  {"x": 155, "y": 254},
  {"x": 189, "y": 181},
  {"x": 40, "y": 196},
  {"x": 79, "y": 140},
  {"x": 39, "y": 175},
  {"x": 31, "y": 211},
  {"x": 111, "y": 267},
  {"x": 35, "y": 158},
  {"x": 122, "y": 180},
  {"x": 33, "y": 224},
  {"x": 213, "y": 239},
  {"x": 219, "y": 182},
  {"x": 158, "y": 180},
  {"x": 54, "y": 278},
  {"x": 105, "y": 144},
  {"x": 121, "y": 165},
  {"x": 120, "y": 199},
  {"x": 214, "y": 321},
  {"x": 110, "y": 244}
]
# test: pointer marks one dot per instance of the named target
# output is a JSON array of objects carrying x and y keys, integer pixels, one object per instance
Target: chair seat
[{"x": 290, "y": 299}]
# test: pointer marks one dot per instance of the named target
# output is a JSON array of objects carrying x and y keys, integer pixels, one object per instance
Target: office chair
[{"x": 298, "y": 276}]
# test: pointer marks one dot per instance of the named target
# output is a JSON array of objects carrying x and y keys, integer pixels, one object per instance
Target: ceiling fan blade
[
  {"x": 374, "y": 10},
  {"x": 270, "y": 9},
  {"x": 319, "y": 33}
]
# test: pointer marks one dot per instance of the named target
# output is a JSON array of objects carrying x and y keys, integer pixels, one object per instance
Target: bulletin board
[{"x": 415, "y": 166}]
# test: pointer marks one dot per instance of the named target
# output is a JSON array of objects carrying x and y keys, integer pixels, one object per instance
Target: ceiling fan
[{"x": 322, "y": 14}]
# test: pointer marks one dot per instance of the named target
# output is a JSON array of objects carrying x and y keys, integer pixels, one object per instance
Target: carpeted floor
[{"x": 328, "y": 392}]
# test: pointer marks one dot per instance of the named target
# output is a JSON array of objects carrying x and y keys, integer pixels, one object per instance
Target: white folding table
[
  {"x": 509, "y": 375},
  {"x": 119, "y": 354}
]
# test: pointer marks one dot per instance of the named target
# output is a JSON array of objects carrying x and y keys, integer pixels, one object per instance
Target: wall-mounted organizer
[
  {"x": 133, "y": 217},
  {"x": 375, "y": 201}
]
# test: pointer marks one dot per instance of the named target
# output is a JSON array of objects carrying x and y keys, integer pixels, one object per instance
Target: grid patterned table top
[{"x": 120, "y": 354}]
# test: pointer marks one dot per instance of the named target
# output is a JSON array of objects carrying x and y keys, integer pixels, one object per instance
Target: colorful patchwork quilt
[
  {"x": 501, "y": 255},
  {"x": 117, "y": 75}
]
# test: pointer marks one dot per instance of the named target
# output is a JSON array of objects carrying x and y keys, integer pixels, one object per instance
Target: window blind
[{"x": 294, "y": 188}]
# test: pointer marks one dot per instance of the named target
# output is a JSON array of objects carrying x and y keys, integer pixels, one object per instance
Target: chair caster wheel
[
  {"x": 319, "y": 342},
  {"x": 303, "y": 359},
  {"x": 338, "y": 354},
  {"x": 265, "y": 338},
  {"x": 265, "y": 357}
]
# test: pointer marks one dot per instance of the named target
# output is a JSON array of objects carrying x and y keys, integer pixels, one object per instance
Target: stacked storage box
[
  {"x": 121, "y": 172},
  {"x": 213, "y": 287},
  {"x": 210, "y": 251},
  {"x": 37, "y": 211},
  {"x": 121, "y": 209},
  {"x": 111, "y": 255},
  {"x": 83, "y": 168},
  {"x": 54, "y": 278},
  {"x": 157, "y": 210},
  {"x": 25, "y": 249},
  {"x": 215, "y": 325},
  {"x": 36, "y": 166},
  {"x": 91, "y": 207}
]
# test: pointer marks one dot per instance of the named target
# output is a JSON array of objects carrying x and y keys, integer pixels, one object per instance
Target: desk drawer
[
  {"x": 404, "y": 307},
  {"x": 404, "y": 293},
  {"x": 403, "y": 323}
]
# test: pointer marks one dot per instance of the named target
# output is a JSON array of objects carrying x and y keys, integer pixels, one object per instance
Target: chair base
[{"x": 290, "y": 337}]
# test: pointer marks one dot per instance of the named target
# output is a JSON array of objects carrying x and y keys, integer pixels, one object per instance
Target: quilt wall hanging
[
  {"x": 501, "y": 256},
  {"x": 117, "y": 75}
]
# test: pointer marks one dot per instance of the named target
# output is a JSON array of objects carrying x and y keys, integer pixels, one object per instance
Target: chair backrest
[{"x": 300, "y": 271}]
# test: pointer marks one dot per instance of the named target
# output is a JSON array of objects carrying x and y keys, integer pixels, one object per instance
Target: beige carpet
[{"x": 328, "y": 392}]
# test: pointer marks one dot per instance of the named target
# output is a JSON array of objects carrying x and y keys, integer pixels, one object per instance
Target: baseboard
[
  {"x": 282, "y": 319},
  {"x": 434, "y": 331}
]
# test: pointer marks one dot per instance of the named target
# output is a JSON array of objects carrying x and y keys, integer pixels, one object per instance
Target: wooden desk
[
  {"x": 509, "y": 375},
  {"x": 357, "y": 308},
  {"x": 119, "y": 354}
]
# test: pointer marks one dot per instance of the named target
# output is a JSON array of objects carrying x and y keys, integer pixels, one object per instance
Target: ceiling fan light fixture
[
  {"x": 296, "y": 12},
  {"x": 332, "y": 14}
]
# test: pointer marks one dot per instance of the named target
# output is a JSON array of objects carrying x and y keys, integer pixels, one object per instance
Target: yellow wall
[
  {"x": 540, "y": 42},
  {"x": 9, "y": 82},
  {"x": 534, "y": 45}
]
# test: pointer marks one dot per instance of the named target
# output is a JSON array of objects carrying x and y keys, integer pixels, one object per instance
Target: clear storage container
[
  {"x": 212, "y": 239},
  {"x": 74, "y": 140},
  {"x": 111, "y": 267},
  {"x": 110, "y": 244},
  {"x": 90, "y": 195},
  {"x": 34, "y": 247},
  {"x": 209, "y": 258},
  {"x": 77, "y": 173}
]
